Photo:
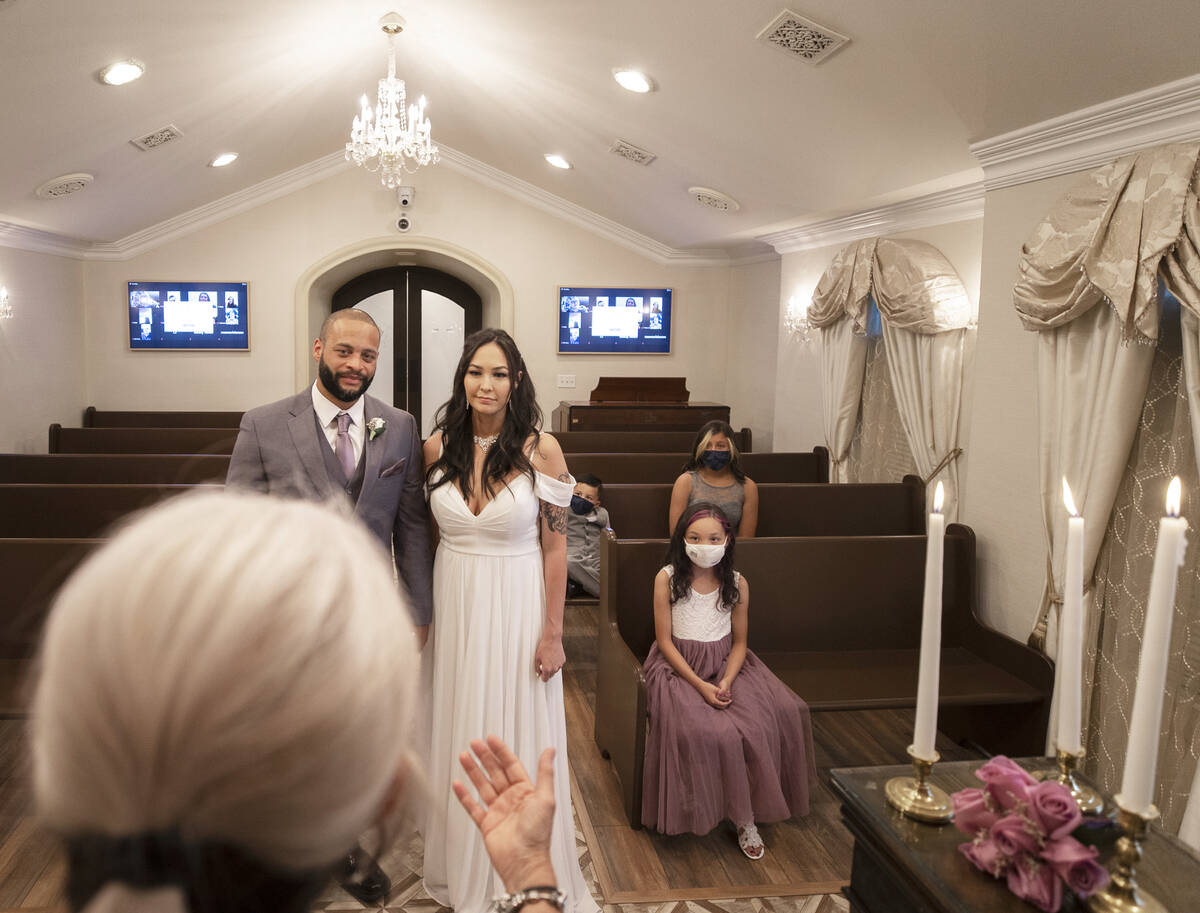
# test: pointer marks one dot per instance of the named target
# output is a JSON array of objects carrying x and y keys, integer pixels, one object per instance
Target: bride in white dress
[{"x": 498, "y": 492}]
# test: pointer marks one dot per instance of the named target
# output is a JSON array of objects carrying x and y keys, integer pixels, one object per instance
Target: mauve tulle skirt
[{"x": 751, "y": 761}]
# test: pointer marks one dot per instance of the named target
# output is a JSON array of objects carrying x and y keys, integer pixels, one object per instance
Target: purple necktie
[{"x": 345, "y": 447}]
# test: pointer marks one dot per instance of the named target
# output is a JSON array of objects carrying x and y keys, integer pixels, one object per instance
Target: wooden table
[{"x": 903, "y": 866}]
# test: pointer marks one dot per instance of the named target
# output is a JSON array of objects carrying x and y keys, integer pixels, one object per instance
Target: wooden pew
[
  {"x": 638, "y": 441},
  {"x": 839, "y": 621},
  {"x": 74, "y": 511},
  {"x": 877, "y": 509},
  {"x": 107, "y": 468},
  {"x": 141, "y": 440},
  {"x": 97, "y": 418},
  {"x": 615, "y": 468}
]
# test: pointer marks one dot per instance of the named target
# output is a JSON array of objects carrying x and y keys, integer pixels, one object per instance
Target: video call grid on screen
[
  {"x": 189, "y": 315},
  {"x": 614, "y": 321}
]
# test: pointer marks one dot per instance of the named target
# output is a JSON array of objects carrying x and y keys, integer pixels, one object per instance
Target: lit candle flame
[
  {"x": 939, "y": 498},
  {"x": 1069, "y": 501},
  {"x": 1174, "y": 497}
]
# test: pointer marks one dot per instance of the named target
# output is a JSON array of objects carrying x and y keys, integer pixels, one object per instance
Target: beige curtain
[
  {"x": 879, "y": 451},
  {"x": 843, "y": 359}
]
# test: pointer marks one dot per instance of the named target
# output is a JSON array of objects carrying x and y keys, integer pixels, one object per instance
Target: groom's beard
[{"x": 330, "y": 382}]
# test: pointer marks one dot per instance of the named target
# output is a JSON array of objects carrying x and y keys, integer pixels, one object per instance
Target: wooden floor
[{"x": 806, "y": 864}]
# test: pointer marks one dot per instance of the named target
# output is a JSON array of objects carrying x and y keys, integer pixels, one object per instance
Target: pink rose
[
  {"x": 1014, "y": 835},
  {"x": 1010, "y": 792},
  {"x": 1054, "y": 809},
  {"x": 1001, "y": 768},
  {"x": 972, "y": 811},
  {"x": 1036, "y": 883},
  {"x": 985, "y": 856},
  {"x": 1076, "y": 864}
]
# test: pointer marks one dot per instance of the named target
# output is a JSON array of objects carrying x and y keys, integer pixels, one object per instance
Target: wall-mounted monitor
[
  {"x": 189, "y": 315},
  {"x": 609, "y": 321}
]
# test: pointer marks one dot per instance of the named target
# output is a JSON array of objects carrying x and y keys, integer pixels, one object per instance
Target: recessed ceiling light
[
  {"x": 223, "y": 159},
  {"x": 558, "y": 161},
  {"x": 634, "y": 80},
  {"x": 118, "y": 74}
]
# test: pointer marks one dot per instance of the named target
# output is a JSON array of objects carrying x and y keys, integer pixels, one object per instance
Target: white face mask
[{"x": 705, "y": 555}]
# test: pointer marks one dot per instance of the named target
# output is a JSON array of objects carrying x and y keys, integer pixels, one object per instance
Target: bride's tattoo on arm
[{"x": 555, "y": 517}]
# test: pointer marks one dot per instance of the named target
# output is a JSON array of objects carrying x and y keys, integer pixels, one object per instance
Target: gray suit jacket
[{"x": 278, "y": 451}]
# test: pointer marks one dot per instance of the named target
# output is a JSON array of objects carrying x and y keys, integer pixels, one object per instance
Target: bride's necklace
[{"x": 484, "y": 443}]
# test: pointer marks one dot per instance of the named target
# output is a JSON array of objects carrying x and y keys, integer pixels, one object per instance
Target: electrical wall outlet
[{"x": 566, "y": 381}]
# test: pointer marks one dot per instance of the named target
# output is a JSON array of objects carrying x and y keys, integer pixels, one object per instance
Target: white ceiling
[{"x": 278, "y": 81}]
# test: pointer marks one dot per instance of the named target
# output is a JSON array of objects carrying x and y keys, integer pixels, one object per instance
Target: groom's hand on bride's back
[{"x": 514, "y": 815}]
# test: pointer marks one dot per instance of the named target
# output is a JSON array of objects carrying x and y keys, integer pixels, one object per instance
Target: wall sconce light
[
  {"x": 6, "y": 310},
  {"x": 795, "y": 321}
]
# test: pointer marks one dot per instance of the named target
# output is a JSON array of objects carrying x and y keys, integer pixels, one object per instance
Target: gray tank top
[{"x": 729, "y": 498}]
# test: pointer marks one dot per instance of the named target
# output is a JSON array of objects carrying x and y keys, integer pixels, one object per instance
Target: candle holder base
[
  {"x": 1123, "y": 894},
  {"x": 1089, "y": 801},
  {"x": 917, "y": 798}
]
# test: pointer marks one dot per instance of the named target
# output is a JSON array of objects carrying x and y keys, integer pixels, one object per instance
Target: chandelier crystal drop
[{"x": 394, "y": 138}]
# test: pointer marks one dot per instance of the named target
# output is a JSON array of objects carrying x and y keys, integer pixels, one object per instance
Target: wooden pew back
[
  {"x": 74, "y": 511},
  {"x": 649, "y": 468},
  {"x": 638, "y": 441},
  {"x": 112, "y": 469},
  {"x": 33, "y": 571},
  {"x": 141, "y": 440},
  {"x": 97, "y": 418}
]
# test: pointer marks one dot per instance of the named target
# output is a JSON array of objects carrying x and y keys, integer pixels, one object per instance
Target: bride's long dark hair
[{"x": 522, "y": 418}]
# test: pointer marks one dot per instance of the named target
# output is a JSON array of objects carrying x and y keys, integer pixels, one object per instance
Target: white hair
[{"x": 236, "y": 667}]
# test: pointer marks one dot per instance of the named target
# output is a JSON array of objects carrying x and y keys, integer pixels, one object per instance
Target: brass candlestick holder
[
  {"x": 1123, "y": 894},
  {"x": 1089, "y": 801},
  {"x": 916, "y": 797}
]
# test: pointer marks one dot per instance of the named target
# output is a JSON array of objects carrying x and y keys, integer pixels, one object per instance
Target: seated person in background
[
  {"x": 223, "y": 707},
  {"x": 586, "y": 523},
  {"x": 727, "y": 738},
  {"x": 713, "y": 474}
]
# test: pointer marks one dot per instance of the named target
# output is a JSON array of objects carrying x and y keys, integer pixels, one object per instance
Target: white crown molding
[
  {"x": 23, "y": 237},
  {"x": 577, "y": 215},
  {"x": 1092, "y": 136},
  {"x": 958, "y": 204}
]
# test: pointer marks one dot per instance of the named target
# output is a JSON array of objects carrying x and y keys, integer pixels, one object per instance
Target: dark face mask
[
  {"x": 581, "y": 506},
  {"x": 716, "y": 459}
]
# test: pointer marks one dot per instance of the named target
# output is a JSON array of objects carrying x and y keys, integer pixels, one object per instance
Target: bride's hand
[{"x": 549, "y": 657}]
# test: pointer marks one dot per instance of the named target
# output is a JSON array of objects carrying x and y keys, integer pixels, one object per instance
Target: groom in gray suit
[{"x": 329, "y": 441}]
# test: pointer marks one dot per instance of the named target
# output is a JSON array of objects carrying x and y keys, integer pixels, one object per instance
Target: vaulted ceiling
[{"x": 278, "y": 81}]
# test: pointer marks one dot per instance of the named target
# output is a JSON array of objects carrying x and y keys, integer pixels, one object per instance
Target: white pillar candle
[
  {"x": 1070, "y": 635},
  {"x": 925, "y": 730},
  {"x": 1189, "y": 831},
  {"x": 1145, "y": 720}
]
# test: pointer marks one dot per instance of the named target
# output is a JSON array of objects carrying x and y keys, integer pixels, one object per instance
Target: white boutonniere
[{"x": 376, "y": 427}]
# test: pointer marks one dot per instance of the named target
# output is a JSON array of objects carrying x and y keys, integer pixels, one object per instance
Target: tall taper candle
[
  {"x": 925, "y": 730},
  {"x": 1145, "y": 720},
  {"x": 1189, "y": 831},
  {"x": 1070, "y": 635}
]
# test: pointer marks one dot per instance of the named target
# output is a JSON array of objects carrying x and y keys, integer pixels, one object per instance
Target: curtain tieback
[
  {"x": 946, "y": 461},
  {"x": 1037, "y": 637}
]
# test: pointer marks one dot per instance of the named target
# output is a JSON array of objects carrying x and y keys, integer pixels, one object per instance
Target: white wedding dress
[{"x": 489, "y": 609}]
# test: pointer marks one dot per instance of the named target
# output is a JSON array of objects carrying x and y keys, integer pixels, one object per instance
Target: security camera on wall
[
  {"x": 404, "y": 223},
  {"x": 405, "y": 196}
]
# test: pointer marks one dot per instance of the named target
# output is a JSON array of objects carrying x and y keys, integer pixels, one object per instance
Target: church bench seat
[
  {"x": 784, "y": 509},
  {"x": 649, "y": 468},
  {"x": 107, "y": 468},
  {"x": 638, "y": 441},
  {"x": 838, "y": 619},
  {"x": 102, "y": 418},
  {"x": 141, "y": 440},
  {"x": 46, "y": 511}
]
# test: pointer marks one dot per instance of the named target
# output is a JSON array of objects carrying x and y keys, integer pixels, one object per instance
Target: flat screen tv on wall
[
  {"x": 189, "y": 315},
  {"x": 634, "y": 321}
]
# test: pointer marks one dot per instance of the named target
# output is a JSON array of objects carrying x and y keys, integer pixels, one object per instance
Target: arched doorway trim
[{"x": 316, "y": 285}]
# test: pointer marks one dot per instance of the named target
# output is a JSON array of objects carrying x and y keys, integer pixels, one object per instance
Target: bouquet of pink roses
[{"x": 1022, "y": 832}]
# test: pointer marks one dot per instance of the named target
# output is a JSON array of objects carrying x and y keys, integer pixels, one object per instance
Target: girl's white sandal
[{"x": 750, "y": 842}]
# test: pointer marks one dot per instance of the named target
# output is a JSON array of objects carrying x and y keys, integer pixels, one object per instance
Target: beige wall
[
  {"x": 273, "y": 245},
  {"x": 41, "y": 348},
  {"x": 751, "y": 357}
]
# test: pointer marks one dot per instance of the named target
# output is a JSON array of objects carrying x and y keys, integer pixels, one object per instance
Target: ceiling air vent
[
  {"x": 714, "y": 199},
  {"x": 64, "y": 185},
  {"x": 157, "y": 137},
  {"x": 632, "y": 152},
  {"x": 802, "y": 37}
]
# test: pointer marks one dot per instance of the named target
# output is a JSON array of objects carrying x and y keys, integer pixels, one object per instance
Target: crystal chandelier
[
  {"x": 795, "y": 321},
  {"x": 394, "y": 139}
]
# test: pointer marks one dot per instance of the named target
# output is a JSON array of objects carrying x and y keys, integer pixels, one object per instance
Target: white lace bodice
[{"x": 699, "y": 616}]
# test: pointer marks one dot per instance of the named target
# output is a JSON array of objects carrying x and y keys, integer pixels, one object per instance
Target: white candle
[
  {"x": 925, "y": 730},
  {"x": 1189, "y": 831},
  {"x": 1145, "y": 720},
  {"x": 1070, "y": 635}
]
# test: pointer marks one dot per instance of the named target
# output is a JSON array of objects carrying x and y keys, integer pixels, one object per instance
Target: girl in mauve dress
[{"x": 728, "y": 740}]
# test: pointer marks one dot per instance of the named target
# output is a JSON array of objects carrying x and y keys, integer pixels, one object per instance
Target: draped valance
[
  {"x": 1107, "y": 239},
  {"x": 914, "y": 285}
]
